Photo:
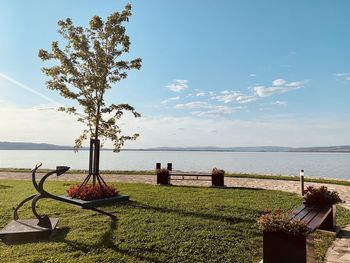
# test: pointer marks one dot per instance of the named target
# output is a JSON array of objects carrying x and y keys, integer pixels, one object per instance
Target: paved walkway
[{"x": 339, "y": 252}]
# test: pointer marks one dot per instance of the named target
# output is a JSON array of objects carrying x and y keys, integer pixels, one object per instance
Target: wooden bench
[
  {"x": 281, "y": 247},
  {"x": 315, "y": 217},
  {"x": 175, "y": 175},
  {"x": 216, "y": 180}
]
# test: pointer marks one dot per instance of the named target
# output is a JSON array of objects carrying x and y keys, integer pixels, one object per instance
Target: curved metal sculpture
[{"x": 44, "y": 220}]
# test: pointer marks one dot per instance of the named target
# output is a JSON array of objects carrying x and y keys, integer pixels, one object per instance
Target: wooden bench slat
[
  {"x": 190, "y": 180},
  {"x": 311, "y": 215},
  {"x": 303, "y": 213},
  {"x": 297, "y": 211},
  {"x": 190, "y": 175},
  {"x": 318, "y": 220}
]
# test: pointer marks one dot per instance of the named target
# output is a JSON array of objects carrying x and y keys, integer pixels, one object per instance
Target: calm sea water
[{"x": 335, "y": 165}]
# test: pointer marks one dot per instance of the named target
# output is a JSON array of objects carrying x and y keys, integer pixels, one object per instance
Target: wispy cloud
[
  {"x": 193, "y": 105},
  {"x": 177, "y": 85},
  {"x": 205, "y": 109},
  {"x": 200, "y": 94},
  {"x": 170, "y": 99},
  {"x": 278, "y": 86},
  {"x": 278, "y": 82},
  {"x": 237, "y": 96},
  {"x": 214, "y": 111},
  {"x": 280, "y": 103},
  {"x": 29, "y": 89},
  {"x": 343, "y": 76}
]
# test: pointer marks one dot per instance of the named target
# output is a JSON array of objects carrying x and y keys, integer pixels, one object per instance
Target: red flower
[{"x": 89, "y": 192}]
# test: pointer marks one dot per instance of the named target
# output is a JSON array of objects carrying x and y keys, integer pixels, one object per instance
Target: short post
[
  {"x": 302, "y": 182},
  {"x": 170, "y": 166},
  {"x": 158, "y": 165}
]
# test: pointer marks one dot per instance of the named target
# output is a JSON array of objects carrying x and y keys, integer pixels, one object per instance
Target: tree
[{"x": 84, "y": 70}]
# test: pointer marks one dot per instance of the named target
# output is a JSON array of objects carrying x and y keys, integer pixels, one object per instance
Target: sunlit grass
[{"x": 160, "y": 224}]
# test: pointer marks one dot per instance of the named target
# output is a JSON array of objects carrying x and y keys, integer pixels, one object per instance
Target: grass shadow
[
  {"x": 209, "y": 187},
  {"x": 5, "y": 186},
  {"x": 222, "y": 218},
  {"x": 107, "y": 239}
]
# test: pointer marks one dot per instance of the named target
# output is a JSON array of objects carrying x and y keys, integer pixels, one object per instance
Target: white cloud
[
  {"x": 278, "y": 82},
  {"x": 262, "y": 91},
  {"x": 343, "y": 76},
  {"x": 193, "y": 105},
  {"x": 252, "y": 75},
  {"x": 31, "y": 125},
  {"x": 170, "y": 99},
  {"x": 281, "y": 130},
  {"x": 178, "y": 85},
  {"x": 200, "y": 94},
  {"x": 206, "y": 109},
  {"x": 280, "y": 103},
  {"x": 38, "y": 125},
  {"x": 237, "y": 96},
  {"x": 214, "y": 111}
]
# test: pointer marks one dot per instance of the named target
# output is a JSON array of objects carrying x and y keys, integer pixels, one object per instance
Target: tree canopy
[{"x": 89, "y": 64}]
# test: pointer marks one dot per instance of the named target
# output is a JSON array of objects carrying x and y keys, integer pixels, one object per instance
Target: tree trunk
[{"x": 96, "y": 150}]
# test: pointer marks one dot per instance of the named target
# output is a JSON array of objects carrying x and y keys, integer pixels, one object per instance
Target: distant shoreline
[
  {"x": 22, "y": 146},
  {"x": 180, "y": 150}
]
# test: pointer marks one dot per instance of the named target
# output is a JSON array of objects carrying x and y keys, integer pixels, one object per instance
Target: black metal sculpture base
[{"x": 42, "y": 226}]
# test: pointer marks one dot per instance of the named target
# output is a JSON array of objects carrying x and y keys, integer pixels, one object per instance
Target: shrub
[
  {"x": 89, "y": 192},
  {"x": 280, "y": 222},
  {"x": 217, "y": 171},
  {"x": 321, "y": 196},
  {"x": 162, "y": 171}
]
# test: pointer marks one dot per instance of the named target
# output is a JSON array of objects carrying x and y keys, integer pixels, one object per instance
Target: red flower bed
[{"x": 89, "y": 192}]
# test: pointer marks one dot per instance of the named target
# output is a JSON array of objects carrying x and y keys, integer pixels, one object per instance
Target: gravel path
[{"x": 338, "y": 252}]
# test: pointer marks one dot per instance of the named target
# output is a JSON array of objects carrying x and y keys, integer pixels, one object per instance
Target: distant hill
[
  {"x": 225, "y": 149},
  {"x": 45, "y": 146},
  {"x": 31, "y": 146}
]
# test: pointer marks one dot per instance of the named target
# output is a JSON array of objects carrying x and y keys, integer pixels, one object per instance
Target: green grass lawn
[{"x": 160, "y": 224}]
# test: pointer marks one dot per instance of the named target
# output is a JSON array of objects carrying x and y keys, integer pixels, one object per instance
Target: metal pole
[{"x": 302, "y": 182}]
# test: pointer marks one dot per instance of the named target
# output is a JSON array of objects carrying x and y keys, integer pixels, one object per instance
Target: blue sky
[{"x": 215, "y": 73}]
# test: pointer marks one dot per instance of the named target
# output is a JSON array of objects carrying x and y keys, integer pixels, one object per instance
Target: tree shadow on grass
[
  {"x": 109, "y": 240},
  {"x": 216, "y": 188},
  {"x": 5, "y": 186},
  {"x": 216, "y": 217}
]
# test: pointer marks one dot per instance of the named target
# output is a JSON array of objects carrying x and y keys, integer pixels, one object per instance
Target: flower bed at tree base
[
  {"x": 280, "y": 247},
  {"x": 100, "y": 202}
]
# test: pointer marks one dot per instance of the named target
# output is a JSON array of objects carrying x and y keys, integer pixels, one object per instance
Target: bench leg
[{"x": 329, "y": 223}]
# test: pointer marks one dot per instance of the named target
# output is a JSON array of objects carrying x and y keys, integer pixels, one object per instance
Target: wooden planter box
[
  {"x": 163, "y": 179},
  {"x": 217, "y": 180},
  {"x": 280, "y": 247}
]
